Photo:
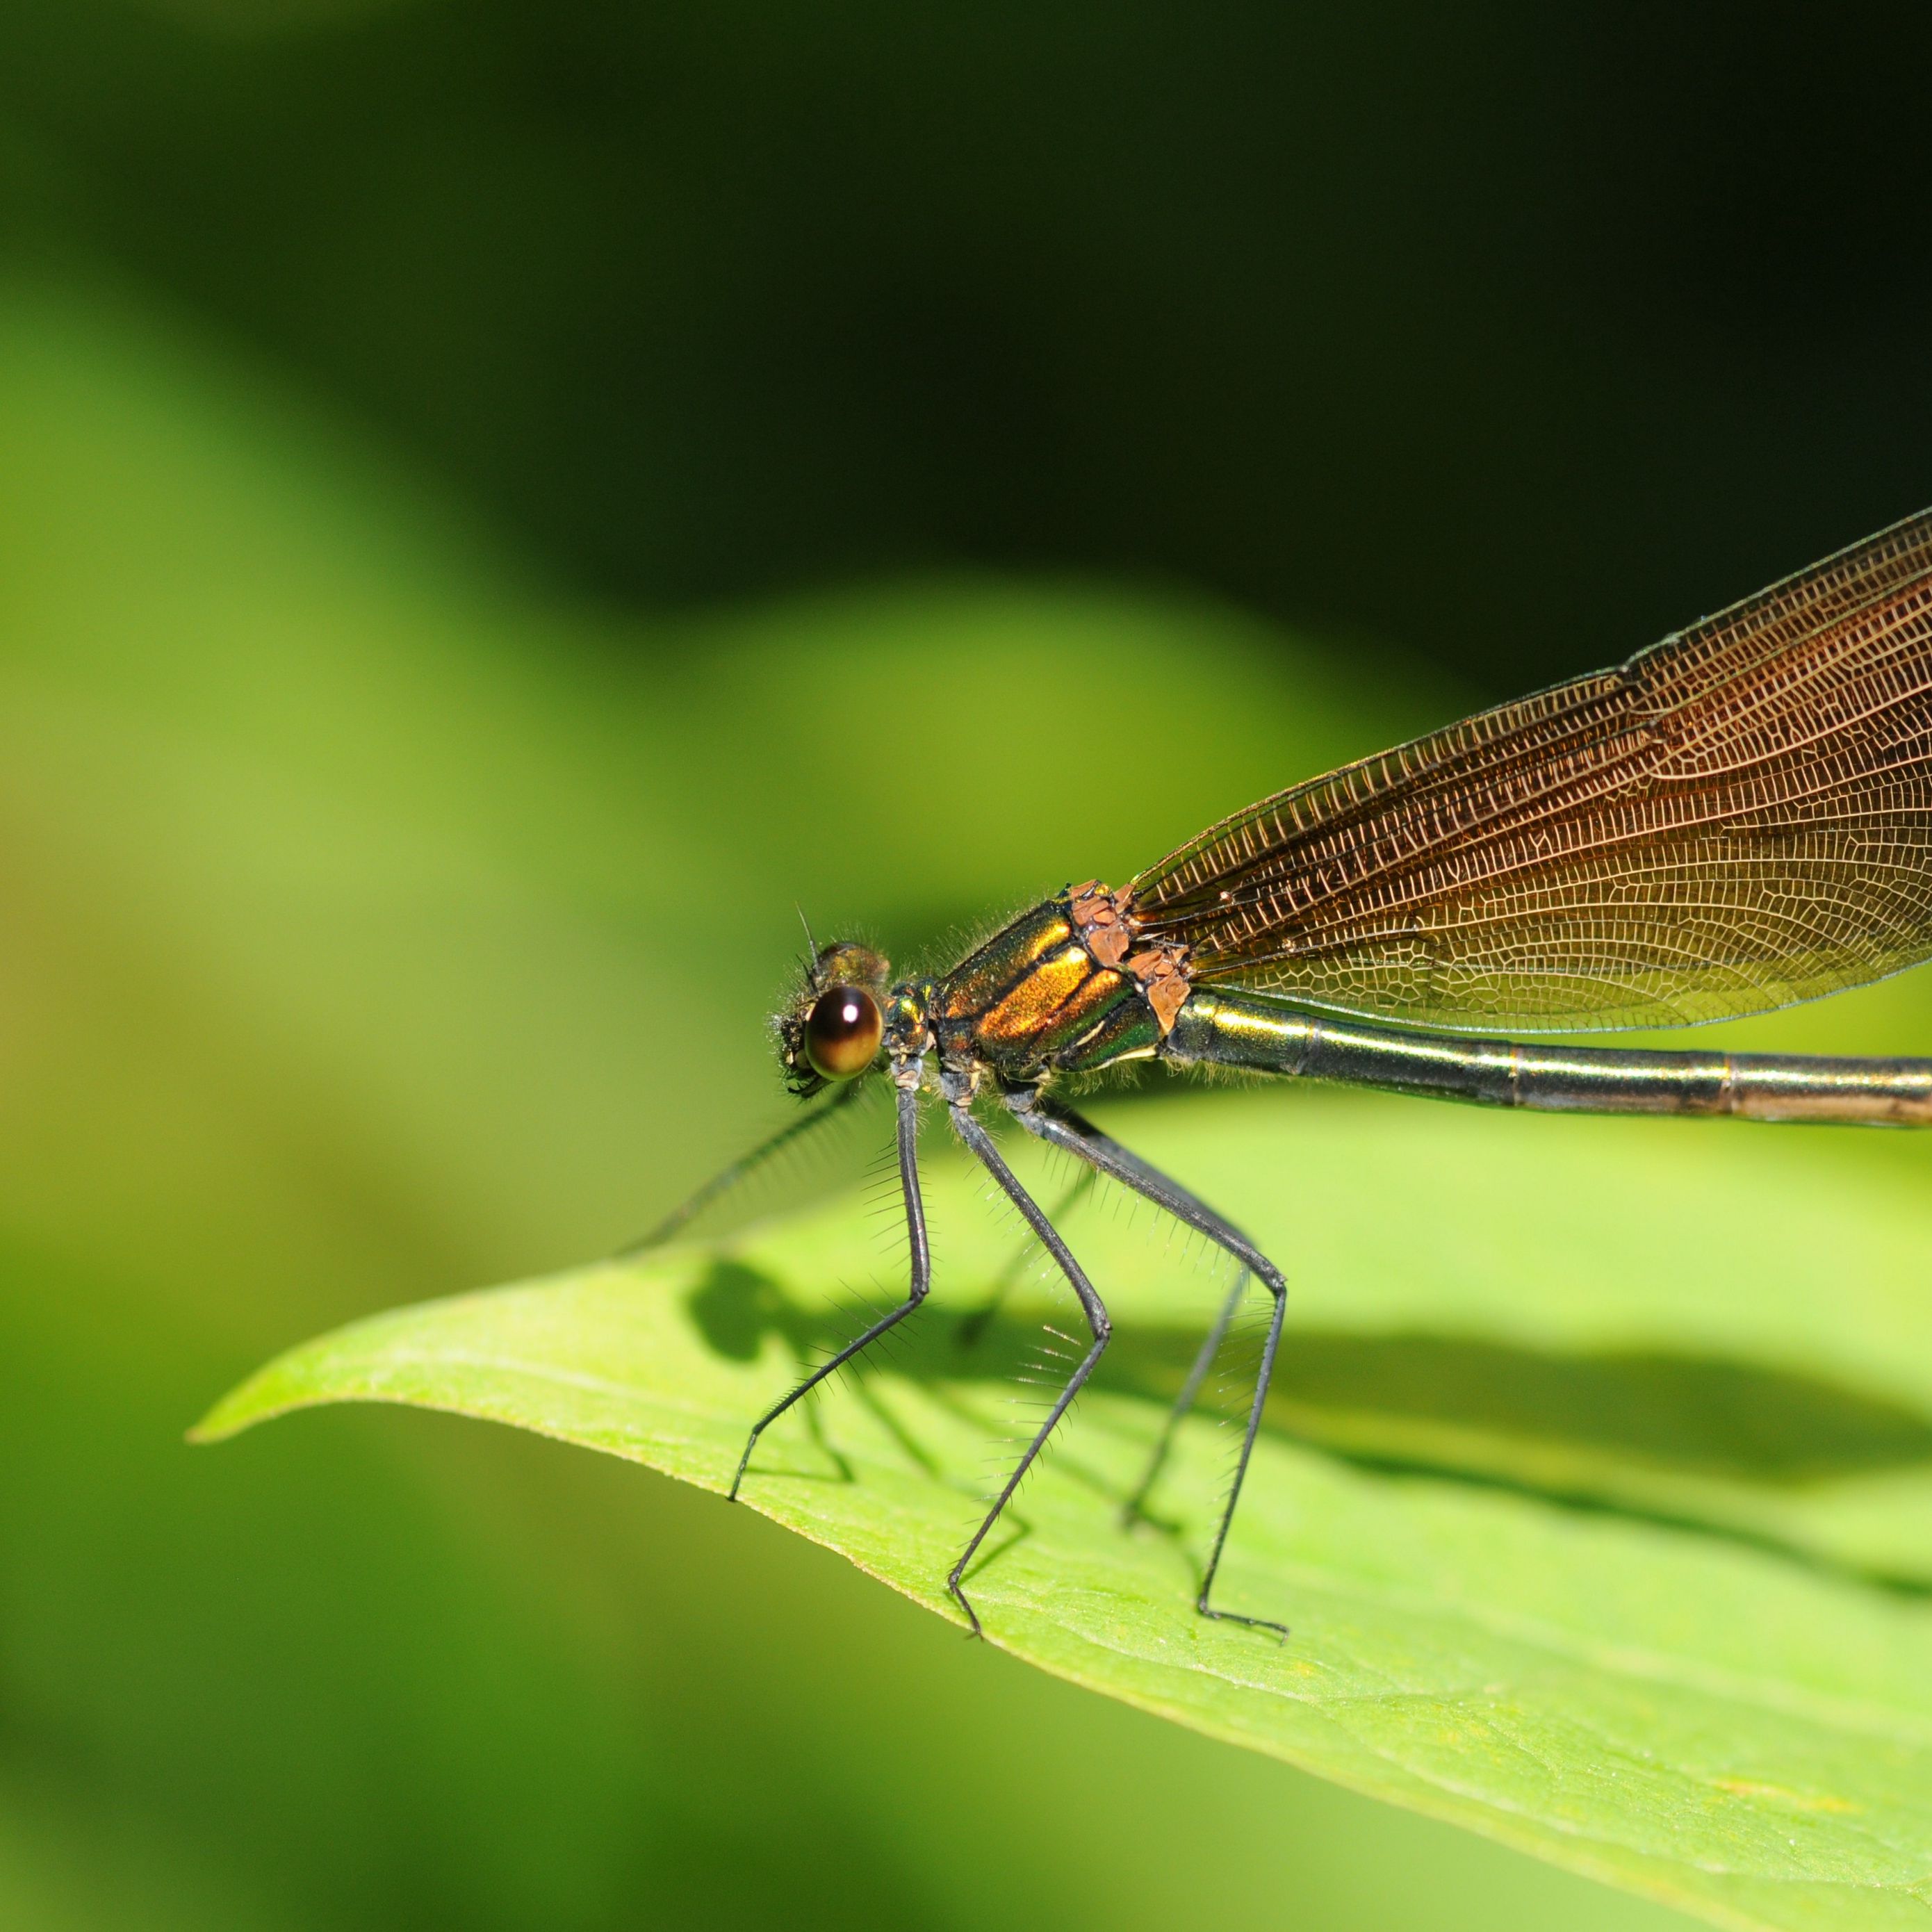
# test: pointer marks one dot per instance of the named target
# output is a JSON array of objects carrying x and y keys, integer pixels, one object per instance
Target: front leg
[
  {"x": 916, "y": 1291},
  {"x": 1063, "y": 1128}
]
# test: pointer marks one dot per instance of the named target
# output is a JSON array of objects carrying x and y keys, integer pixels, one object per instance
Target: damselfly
[{"x": 1736, "y": 819}]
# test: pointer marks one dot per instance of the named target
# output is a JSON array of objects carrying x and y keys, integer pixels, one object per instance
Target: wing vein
[{"x": 1737, "y": 817}]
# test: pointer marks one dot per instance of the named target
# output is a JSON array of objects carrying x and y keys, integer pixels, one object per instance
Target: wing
[{"x": 1739, "y": 817}]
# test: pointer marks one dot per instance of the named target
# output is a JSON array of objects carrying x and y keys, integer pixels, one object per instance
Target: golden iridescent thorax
[{"x": 1060, "y": 990}]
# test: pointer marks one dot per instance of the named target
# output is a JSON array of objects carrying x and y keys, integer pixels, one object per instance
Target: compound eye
[{"x": 842, "y": 1032}]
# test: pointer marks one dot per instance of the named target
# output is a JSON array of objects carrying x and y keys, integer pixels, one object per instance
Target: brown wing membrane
[{"x": 1739, "y": 817}]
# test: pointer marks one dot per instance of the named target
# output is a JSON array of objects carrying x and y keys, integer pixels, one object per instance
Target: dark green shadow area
[
  {"x": 1647, "y": 1434},
  {"x": 1708, "y": 1418}
]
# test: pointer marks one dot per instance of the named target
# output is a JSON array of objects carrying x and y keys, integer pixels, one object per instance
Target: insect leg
[
  {"x": 741, "y": 1169},
  {"x": 1165, "y": 1192},
  {"x": 922, "y": 1278},
  {"x": 973, "y": 1325},
  {"x": 1098, "y": 1323},
  {"x": 1062, "y": 1127},
  {"x": 1134, "y": 1508}
]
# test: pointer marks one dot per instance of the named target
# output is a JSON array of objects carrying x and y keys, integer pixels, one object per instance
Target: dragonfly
[{"x": 1736, "y": 819}]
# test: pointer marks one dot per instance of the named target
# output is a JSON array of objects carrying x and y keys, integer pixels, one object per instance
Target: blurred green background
[{"x": 496, "y": 504}]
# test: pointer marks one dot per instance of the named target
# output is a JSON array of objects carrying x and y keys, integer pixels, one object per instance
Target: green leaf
[{"x": 1597, "y": 1487}]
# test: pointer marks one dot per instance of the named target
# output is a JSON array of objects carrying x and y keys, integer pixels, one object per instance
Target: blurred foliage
[{"x": 1520, "y": 333}]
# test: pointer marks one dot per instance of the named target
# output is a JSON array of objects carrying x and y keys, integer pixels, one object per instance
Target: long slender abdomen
[{"x": 1229, "y": 1029}]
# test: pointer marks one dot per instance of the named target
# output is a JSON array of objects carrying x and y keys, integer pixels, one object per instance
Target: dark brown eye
[{"x": 841, "y": 1032}]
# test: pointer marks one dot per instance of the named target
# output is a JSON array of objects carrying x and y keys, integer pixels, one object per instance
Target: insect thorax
[{"x": 1055, "y": 992}]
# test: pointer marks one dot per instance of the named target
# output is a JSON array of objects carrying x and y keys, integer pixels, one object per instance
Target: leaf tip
[
  {"x": 220, "y": 1422},
  {"x": 241, "y": 1407}
]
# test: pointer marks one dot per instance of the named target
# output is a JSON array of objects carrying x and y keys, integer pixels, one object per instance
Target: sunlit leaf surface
[{"x": 1597, "y": 1489}]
